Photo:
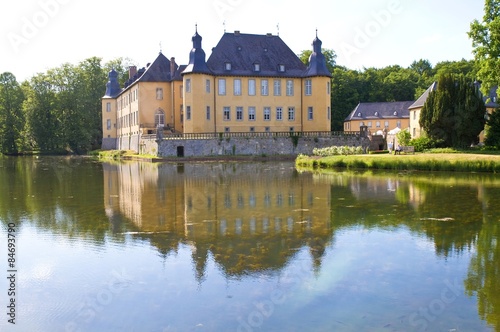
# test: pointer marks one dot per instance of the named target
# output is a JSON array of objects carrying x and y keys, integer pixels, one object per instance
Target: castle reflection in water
[{"x": 250, "y": 217}]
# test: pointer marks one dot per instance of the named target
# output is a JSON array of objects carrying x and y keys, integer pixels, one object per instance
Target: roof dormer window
[
  {"x": 281, "y": 68},
  {"x": 227, "y": 65},
  {"x": 256, "y": 67}
]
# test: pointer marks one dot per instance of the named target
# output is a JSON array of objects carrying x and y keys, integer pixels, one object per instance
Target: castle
[{"x": 249, "y": 84}]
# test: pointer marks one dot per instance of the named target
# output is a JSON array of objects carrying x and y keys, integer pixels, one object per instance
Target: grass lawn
[{"x": 459, "y": 162}]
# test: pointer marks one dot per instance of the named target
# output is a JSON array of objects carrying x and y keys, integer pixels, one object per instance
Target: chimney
[
  {"x": 132, "y": 70},
  {"x": 236, "y": 32},
  {"x": 172, "y": 67}
]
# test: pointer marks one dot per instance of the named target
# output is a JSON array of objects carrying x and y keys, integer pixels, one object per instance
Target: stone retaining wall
[{"x": 245, "y": 146}]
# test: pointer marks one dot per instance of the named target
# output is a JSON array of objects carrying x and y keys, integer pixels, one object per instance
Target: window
[
  {"x": 239, "y": 113},
  {"x": 188, "y": 113},
  {"x": 281, "y": 68},
  {"x": 252, "y": 129},
  {"x": 308, "y": 87},
  {"x": 310, "y": 114},
  {"x": 279, "y": 113},
  {"x": 227, "y": 113},
  {"x": 289, "y": 87},
  {"x": 251, "y": 87},
  {"x": 208, "y": 112},
  {"x": 227, "y": 65},
  {"x": 414, "y": 115},
  {"x": 256, "y": 66},
  {"x": 267, "y": 113},
  {"x": 277, "y": 88},
  {"x": 207, "y": 86},
  {"x": 328, "y": 112},
  {"x": 328, "y": 88},
  {"x": 108, "y": 107},
  {"x": 361, "y": 124},
  {"x": 369, "y": 124},
  {"x": 159, "y": 93},
  {"x": 159, "y": 118},
  {"x": 188, "y": 85},
  {"x": 291, "y": 129},
  {"x": 264, "y": 87},
  {"x": 108, "y": 124},
  {"x": 398, "y": 124},
  {"x": 377, "y": 124},
  {"x": 226, "y": 129},
  {"x": 251, "y": 113},
  {"x": 386, "y": 124},
  {"x": 291, "y": 113},
  {"x": 414, "y": 132},
  {"x": 267, "y": 129},
  {"x": 237, "y": 87},
  {"x": 222, "y": 86}
]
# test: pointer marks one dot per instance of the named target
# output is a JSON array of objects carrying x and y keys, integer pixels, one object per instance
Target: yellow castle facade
[{"x": 250, "y": 83}]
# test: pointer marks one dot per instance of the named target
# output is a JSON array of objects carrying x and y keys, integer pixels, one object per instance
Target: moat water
[{"x": 245, "y": 247}]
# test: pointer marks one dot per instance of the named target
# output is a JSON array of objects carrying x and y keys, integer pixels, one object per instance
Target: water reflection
[
  {"x": 261, "y": 220},
  {"x": 251, "y": 218}
]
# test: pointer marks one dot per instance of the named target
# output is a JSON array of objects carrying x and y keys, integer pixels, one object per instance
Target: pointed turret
[
  {"x": 197, "y": 63},
  {"x": 317, "y": 61},
  {"x": 113, "y": 86}
]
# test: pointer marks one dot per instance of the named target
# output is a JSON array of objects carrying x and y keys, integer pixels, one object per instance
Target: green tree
[
  {"x": 404, "y": 137},
  {"x": 346, "y": 87},
  {"x": 485, "y": 36},
  {"x": 493, "y": 130},
  {"x": 11, "y": 115},
  {"x": 454, "y": 113},
  {"x": 42, "y": 124}
]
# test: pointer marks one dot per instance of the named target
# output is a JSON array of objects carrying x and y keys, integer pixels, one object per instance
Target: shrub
[
  {"x": 424, "y": 143},
  {"x": 337, "y": 150}
]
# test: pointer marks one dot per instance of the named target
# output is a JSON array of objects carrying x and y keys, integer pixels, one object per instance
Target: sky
[{"x": 37, "y": 35}]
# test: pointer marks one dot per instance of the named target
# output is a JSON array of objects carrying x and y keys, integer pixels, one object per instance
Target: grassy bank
[{"x": 456, "y": 162}]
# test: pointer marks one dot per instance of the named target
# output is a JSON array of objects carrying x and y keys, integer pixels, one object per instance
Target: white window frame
[
  {"x": 308, "y": 87},
  {"x": 222, "y": 87},
  {"x": 291, "y": 113},
  {"x": 277, "y": 87},
  {"x": 237, "y": 87},
  {"x": 279, "y": 113},
  {"x": 239, "y": 113},
  {"x": 159, "y": 93},
  {"x": 310, "y": 113},
  {"x": 289, "y": 87},
  {"x": 226, "y": 113},
  {"x": 264, "y": 87},
  {"x": 267, "y": 113},
  {"x": 251, "y": 113},
  {"x": 252, "y": 87}
]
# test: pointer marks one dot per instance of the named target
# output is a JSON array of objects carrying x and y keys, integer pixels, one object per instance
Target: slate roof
[
  {"x": 113, "y": 86},
  {"x": 382, "y": 110},
  {"x": 317, "y": 61},
  {"x": 491, "y": 99},
  {"x": 422, "y": 99},
  {"x": 243, "y": 51}
]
